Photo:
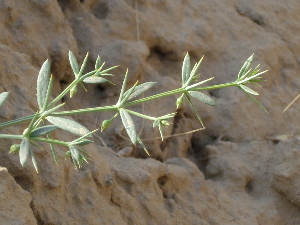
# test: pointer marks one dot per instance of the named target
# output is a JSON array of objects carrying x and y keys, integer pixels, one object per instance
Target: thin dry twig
[
  {"x": 137, "y": 21},
  {"x": 174, "y": 135},
  {"x": 289, "y": 105}
]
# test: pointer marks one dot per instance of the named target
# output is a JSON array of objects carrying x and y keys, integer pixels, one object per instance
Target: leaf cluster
[{"x": 48, "y": 118}]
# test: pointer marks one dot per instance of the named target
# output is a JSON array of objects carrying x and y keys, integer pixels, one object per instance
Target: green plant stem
[
  {"x": 217, "y": 86},
  {"x": 11, "y": 136},
  {"x": 140, "y": 115},
  {"x": 16, "y": 121},
  {"x": 86, "y": 110},
  {"x": 153, "y": 97},
  {"x": 177, "y": 91},
  {"x": 114, "y": 108},
  {"x": 20, "y": 137},
  {"x": 52, "y": 141}
]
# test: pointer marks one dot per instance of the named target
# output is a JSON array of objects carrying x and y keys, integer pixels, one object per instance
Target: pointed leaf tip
[
  {"x": 43, "y": 83},
  {"x": 24, "y": 151},
  {"x": 247, "y": 89},
  {"x": 68, "y": 125},
  {"x": 186, "y": 68},
  {"x": 202, "y": 98},
  {"x": 129, "y": 125},
  {"x": 3, "y": 97},
  {"x": 246, "y": 66},
  {"x": 139, "y": 89},
  {"x": 73, "y": 63}
]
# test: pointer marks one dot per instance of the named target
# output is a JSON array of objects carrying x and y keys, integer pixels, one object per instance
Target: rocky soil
[{"x": 242, "y": 169}]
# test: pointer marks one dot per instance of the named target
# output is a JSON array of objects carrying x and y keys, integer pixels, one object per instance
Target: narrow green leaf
[
  {"x": 160, "y": 131},
  {"x": 155, "y": 123},
  {"x": 247, "y": 89},
  {"x": 98, "y": 70},
  {"x": 251, "y": 72},
  {"x": 96, "y": 80},
  {"x": 129, "y": 125},
  {"x": 53, "y": 151},
  {"x": 186, "y": 68},
  {"x": 43, "y": 83},
  {"x": 199, "y": 83},
  {"x": 127, "y": 94},
  {"x": 82, "y": 85},
  {"x": 251, "y": 77},
  {"x": 202, "y": 98},
  {"x": 195, "y": 110},
  {"x": 143, "y": 146},
  {"x": 68, "y": 125},
  {"x": 47, "y": 97},
  {"x": 35, "y": 144},
  {"x": 24, "y": 150},
  {"x": 194, "y": 71},
  {"x": 83, "y": 153},
  {"x": 28, "y": 130},
  {"x": 246, "y": 66},
  {"x": 49, "y": 111},
  {"x": 33, "y": 160},
  {"x": 3, "y": 97},
  {"x": 257, "y": 102},
  {"x": 74, "y": 153},
  {"x": 139, "y": 89},
  {"x": 83, "y": 65},
  {"x": 167, "y": 117},
  {"x": 43, "y": 130},
  {"x": 78, "y": 140},
  {"x": 123, "y": 88},
  {"x": 104, "y": 72},
  {"x": 84, "y": 142},
  {"x": 74, "y": 63},
  {"x": 78, "y": 156},
  {"x": 98, "y": 63}
]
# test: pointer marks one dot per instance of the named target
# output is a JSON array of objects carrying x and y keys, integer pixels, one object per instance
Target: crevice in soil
[
  {"x": 249, "y": 187},
  {"x": 115, "y": 203},
  {"x": 201, "y": 155},
  {"x": 252, "y": 15},
  {"x": 161, "y": 53},
  {"x": 101, "y": 10},
  {"x": 25, "y": 182},
  {"x": 63, "y": 84},
  {"x": 126, "y": 185},
  {"x": 37, "y": 215},
  {"x": 214, "y": 93},
  {"x": 161, "y": 181}
]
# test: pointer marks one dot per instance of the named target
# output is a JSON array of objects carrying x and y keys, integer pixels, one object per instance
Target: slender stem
[
  {"x": 11, "y": 136},
  {"x": 115, "y": 108},
  {"x": 20, "y": 137},
  {"x": 52, "y": 141},
  {"x": 176, "y": 91},
  {"x": 16, "y": 121},
  {"x": 153, "y": 97},
  {"x": 217, "y": 86},
  {"x": 86, "y": 110},
  {"x": 140, "y": 115},
  {"x": 64, "y": 92}
]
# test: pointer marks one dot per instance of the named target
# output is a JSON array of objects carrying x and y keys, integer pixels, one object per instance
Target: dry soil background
[{"x": 243, "y": 169}]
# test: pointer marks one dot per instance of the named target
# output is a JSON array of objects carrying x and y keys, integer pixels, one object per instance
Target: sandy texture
[{"x": 242, "y": 169}]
